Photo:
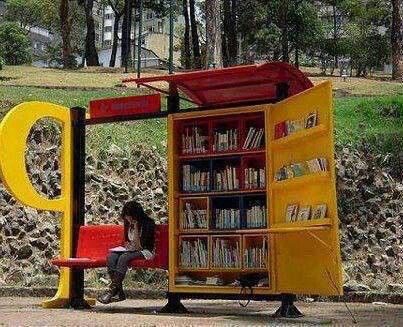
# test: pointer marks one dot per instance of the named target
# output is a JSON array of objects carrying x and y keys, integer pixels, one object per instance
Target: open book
[{"x": 119, "y": 249}]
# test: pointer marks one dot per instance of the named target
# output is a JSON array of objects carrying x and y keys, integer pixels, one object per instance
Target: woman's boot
[
  {"x": 119, "y": 279},
  {"x": 113, "y": 291}
]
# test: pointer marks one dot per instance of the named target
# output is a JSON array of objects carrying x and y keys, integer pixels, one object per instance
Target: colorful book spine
[
  {"x": 194, "y": 254},
  {"x": 193, "y": 218},
  {"x": 255, "y": 256},
  {"x": 226, "y": 254}
]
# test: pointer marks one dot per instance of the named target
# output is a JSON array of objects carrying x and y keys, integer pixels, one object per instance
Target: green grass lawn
[{"x": 378, "y": 116}]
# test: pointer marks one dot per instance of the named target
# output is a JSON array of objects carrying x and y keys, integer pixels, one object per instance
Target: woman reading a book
[{"x": 139, "y": 244}]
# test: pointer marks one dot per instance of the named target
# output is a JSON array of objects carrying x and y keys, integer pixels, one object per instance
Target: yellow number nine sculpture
[{"x": 14, "y": 131}]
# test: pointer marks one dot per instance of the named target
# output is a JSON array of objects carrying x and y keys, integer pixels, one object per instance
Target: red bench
[{"x": 94, "y": 243}]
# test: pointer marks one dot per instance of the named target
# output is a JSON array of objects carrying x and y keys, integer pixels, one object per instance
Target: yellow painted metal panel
[
  {"x": 14, "y": 131},
  {"x": 307, "y": 259}
]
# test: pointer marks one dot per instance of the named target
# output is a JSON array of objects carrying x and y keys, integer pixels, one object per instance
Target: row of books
[
  {"x": 226, "y": 253},
  {"x": 193, "y": 218},
  {"x": 254, "y": 178},
  {"x": 227, "y": 218},
  {"x": 194, "y": 179},
  {"x": 194, "y": 254},
  {"x": 289, "y": 127},
  {"x": 301, "y": 168},
  {"x": 226, "y": 179},
  {"x": 225, "y": 140},
  {"x": 294, "y": 212},
  {"x": 254, "y": 139},
  {"x": 181, "y": 280},
  {"x": 194, "y": 141},
  {"x": 256, "y": 217},
  {"x": 256, "y": 257}
]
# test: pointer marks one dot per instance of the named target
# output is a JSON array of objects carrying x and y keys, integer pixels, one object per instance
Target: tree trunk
[
  {"x": 91, "y": 54},
  {"x": 65, "y": 20},
  {"x": 126, "y": 27},
  {"x": 296, "y": 61},
  {"x": 226, "y": 32},
  {"x": 335, "y": 38},
  {"x": 195, "y": 35},
  {"x": 115, "y": 42},
  {"x": 396, "y": 40},
  {"x": 213, "y": 34},
  {"x": 233, "y": 34},
  {"x": 284, "y": 30},
  {"x": 134, "y": 35},
  {"x": 186, "y": 38}
]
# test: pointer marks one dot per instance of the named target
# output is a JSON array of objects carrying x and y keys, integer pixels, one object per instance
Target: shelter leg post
[
  {"x": 174, "y": 304},
  {"x": 287, "y": 308}
]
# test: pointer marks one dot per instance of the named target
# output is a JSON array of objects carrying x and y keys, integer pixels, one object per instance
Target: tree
[
  {"x": 230, "y": 35},
  {"x": 65, "y": 19},
  {"x": 213, "y": 33},
  {"x": 15, "y": 45},
  {"x": 91, "y": 54},
  {"x": 117, "y": 7},
  {"x": 28, "y": 13},
  {"x": 186, "y": 36},
  {"x": 397, "y": 40},
  {"x": 126, "y": 29},
  {"x": 195, "y": 35}
]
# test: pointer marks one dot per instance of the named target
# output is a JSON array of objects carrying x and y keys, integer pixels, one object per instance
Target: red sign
[{"x": 125, "y": 106}]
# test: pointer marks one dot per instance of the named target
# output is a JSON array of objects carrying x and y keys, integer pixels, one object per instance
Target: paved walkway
[{"x": 26, "y": 312}]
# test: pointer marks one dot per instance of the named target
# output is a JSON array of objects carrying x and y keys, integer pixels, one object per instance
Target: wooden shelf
[
  {"x": 217, "y": 193},
  {"x": 209, "y": 155},
  {"x": 299, "y": 137},
  {"x": 305, "y": 223},
  {"x": 225, "y": 232},
  {"x": 323, "y": 176},
  {"x": 184, "y": 269},
  {"x": 280, "y": 230}
]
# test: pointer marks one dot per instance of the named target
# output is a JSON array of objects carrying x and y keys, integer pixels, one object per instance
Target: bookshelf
[{"x": 224, "y": 194}]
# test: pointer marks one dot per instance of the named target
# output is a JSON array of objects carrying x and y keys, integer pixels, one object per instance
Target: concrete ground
[{"x": 26, "y": 312}]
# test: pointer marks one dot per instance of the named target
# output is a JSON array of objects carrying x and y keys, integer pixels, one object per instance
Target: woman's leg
[
  {"x": 112, "y": 261},
  {"x": 123, "y": 261}
]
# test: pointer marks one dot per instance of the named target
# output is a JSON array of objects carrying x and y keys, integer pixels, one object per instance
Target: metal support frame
[
  {"x": 174, "y": 304},
  {"x": 77, "y": 300},
  {"x": 287, "y": 308}
]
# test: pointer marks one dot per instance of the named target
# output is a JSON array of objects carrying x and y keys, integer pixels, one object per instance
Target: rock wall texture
[{"x": 370, "y": 211}]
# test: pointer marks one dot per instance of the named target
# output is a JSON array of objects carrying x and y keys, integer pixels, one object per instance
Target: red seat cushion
[
  {"x": 81, "y": 263},
  {"x": 94, "y": 243}
]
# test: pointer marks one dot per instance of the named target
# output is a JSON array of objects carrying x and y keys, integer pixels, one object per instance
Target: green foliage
[
  {"x": 28, "y": 13},
  {"x": 15, "y": 46}
]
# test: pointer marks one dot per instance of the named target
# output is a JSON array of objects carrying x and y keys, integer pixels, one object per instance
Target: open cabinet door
[{"x": 306, "y": 251}]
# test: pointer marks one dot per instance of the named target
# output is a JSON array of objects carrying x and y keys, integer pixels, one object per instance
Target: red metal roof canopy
[{"x": 232, "y": 85}]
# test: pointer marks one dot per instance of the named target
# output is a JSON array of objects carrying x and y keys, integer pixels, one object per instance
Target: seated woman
[{"x": 139, "y": 244}]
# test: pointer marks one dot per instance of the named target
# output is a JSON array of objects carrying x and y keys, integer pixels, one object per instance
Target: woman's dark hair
[{"x": 135, "y": 210}]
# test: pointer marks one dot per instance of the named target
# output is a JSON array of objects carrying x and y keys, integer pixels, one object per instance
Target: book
[
  {"x": 193, "y": 253},
  {"x": 301, "y": 168},
  {"x": 225, "y": 253},
  {"x": 194, "y": 140},
  {"x": 254, "y": 178},
  {"x": 227, "y": 218},
  {"x": 119, "y": 249},
  {"x": 194, "y": 179},
  {"x": 291, "y": 213},
  {"x": 256, "y": 256},
  {"x": 304, "y": 213},
  {"x": 193, "y": 218},
  {"x": 311, "y": 120},
  {"x": 225, "y": 140},
  {"x": 256, "y": 216},
  {"x": 319, "y": 211},
  {"x": 280, "y": 130},
  {"x": 254, "y": 139}
]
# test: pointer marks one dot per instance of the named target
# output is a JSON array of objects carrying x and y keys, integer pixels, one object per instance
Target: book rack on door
[{"x": 251, "y": 192}]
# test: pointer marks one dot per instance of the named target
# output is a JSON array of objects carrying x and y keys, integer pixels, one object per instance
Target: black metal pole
[{"x": 77, "y": 283}]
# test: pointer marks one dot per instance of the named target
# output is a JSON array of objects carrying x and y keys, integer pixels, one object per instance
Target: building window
[
  {"x": 108, "y": 28},
  {"x": 107, "y": 43},
  {"x": 108, "y": 16}
]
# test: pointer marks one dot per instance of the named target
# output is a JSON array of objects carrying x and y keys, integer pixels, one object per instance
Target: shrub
[{"x": 15, "y": 45}]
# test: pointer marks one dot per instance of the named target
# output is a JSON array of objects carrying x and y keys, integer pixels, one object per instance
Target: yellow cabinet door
[{"x": 306, "y": 253}]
